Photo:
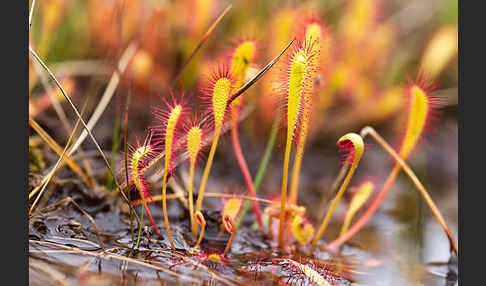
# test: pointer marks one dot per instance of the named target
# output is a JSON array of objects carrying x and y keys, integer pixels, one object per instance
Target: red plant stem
[
  {"x": 369, "y": 212},
  {"x": 230, "y": 241},
  {"x": 244, "y": 167}
]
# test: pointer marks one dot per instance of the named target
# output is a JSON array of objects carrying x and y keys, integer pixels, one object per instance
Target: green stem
[
  {"x": 263, "y": 166},
  {"x": 141, "y": 223}
]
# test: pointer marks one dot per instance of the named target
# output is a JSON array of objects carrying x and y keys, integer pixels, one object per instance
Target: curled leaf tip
[
  {"x": 352, "y": 144},
  {"x": 137, "y": 160},
  {"x": 200, "y": 218},
  {"x": 202, "y": 222},
  {"x": 229, "y": 225},
  {"x": 227, "y": 222},
  {"x": 230, "y": 211}
]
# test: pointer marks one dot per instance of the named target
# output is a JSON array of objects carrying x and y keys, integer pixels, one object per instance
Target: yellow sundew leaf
[
  {"x": 172, "y": 121},
  {"x": 136, "y": 158},
  {"x": 231, "y": 209},
  {"x": 221, "y": 93},
  {"x": 174, "y": 116},
  {"x": 214, "y": 257},
  {"x": 241, "y": 59},
  {"x": 358, "y": 145},
  {"x": 303, "y": 231},
  {"x": 362, "y": 194},
  {"x": 441, "y": 49},
  {"x": 416, "y": 120},
  {"x": 296, "y": 81},
  {"x": 194, "y": 143}
]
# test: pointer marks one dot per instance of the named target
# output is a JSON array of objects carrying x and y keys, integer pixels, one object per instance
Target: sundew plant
[{"x": 299, "y": 143}]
